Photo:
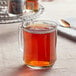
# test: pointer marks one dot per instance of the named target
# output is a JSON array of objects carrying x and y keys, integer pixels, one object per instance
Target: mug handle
[{"x": 20, "y": 38}]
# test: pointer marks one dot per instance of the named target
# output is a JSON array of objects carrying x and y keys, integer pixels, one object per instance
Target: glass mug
[{"x": 38, "y": 43}]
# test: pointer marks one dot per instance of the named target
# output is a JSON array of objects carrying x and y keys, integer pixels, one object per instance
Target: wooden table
[{"x": 11, "y": 62}]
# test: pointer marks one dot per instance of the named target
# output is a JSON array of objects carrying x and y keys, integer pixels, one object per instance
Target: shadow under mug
[{"x": 38, "y": 42}]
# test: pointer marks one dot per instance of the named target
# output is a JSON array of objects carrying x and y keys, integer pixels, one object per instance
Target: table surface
[{"x": 11, "y": 62}]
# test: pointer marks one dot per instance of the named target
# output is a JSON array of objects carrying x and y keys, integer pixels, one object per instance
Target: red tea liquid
[{"x": 39, "y": 45}]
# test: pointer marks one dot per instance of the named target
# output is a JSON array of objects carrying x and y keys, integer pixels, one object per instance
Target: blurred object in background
[
  {"x": 3, "y": 6},
  {"x": 5, "y": 17},
  {"x": 32, "y": 5},
  {"x": 69, "y": 23},
  {"x": 15, "y": 6},
  {"x": 67, "y": 27}
]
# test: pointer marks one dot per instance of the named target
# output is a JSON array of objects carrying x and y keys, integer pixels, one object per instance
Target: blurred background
[{"x": 11, "y": 58}]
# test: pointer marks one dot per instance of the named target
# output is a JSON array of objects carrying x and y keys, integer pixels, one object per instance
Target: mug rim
[{"x": 49, "y": 22}]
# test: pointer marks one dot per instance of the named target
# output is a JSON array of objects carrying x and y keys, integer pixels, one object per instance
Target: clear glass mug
[{"x": 38, "y": 43}]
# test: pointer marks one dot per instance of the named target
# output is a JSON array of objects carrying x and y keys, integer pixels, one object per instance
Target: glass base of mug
[
  {"x": 38, "y": 67},
  {"x": 40, "y": 64}
]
